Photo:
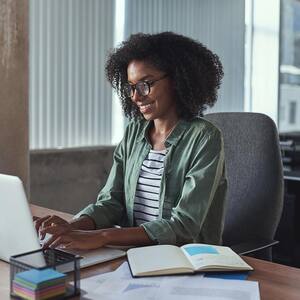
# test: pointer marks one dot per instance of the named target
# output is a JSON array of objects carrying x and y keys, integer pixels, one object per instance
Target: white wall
[{"x": 14, "y": 141}]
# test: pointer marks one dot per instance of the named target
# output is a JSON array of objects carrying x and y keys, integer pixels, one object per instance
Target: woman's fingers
[
  {"x": 53, "y": 220},
  {"x": 35, "y": 218},
  {"x": 63, "y": 241},
  {"x": 39, "y": 222},
  {"x": 51, "y": 224},
  {"x": 74, "y": 239},
  {"x": 55, "y": 229},
  {"x": 70, "y": 245},
  {"x": 48, "y": 242},
  {"x": 66, "y": 238},
  {"x": 52, "y": 229},
  {"x": 57, "y": 242}
]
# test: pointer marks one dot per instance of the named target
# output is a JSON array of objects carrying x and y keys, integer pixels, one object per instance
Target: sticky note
[{"x": 38, "y": 276}]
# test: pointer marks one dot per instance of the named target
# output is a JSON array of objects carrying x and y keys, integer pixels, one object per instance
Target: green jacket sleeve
[
  {"x": 109, "y": 208},
  {"x": 198, "y": 193}
]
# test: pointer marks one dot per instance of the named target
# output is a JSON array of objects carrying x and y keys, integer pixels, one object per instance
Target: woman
[{"x": 167, "y": 183}]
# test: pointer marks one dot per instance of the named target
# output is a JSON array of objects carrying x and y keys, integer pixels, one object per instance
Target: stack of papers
[
  {"x": 39, "y": 284},
  {"x": 121, "y": 285}
]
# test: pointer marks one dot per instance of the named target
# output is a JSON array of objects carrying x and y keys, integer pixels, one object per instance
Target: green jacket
[{"x": 193, "y": 186}]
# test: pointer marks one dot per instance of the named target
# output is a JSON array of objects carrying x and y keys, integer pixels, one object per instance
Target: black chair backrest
[{"x": 255, "y": 177}]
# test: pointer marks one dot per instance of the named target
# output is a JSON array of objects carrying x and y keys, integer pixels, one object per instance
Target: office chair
[{"x": 255, "y": 181}]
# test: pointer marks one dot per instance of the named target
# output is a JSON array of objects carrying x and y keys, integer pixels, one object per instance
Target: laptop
[{"x": 17, "y": 231}]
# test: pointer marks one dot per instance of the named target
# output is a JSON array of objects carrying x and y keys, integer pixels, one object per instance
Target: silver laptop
[{"x": 17, "y": 231}]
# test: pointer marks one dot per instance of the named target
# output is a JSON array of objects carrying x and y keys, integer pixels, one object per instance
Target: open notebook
[{"x": 190, "y": 258}]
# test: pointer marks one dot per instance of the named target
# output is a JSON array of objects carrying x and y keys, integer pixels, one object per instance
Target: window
[
  {"x": 70, "y": 100},
  {"x": 289, "y": 79},
  {"x": 261, "y": 56},
  {"x": 292, "y": 112},
  {"x": 71, "y": 104}
]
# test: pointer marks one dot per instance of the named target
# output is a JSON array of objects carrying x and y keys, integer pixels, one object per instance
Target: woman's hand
[
  {"x": 76, "y": 239},
  {"x": 54, "y": 224},
  {"x": 81, "y": 234}
]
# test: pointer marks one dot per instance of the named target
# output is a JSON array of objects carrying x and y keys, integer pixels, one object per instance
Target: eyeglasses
[{"x": 143, "y": 88}]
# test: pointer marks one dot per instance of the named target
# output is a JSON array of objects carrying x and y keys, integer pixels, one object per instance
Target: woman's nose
[{"x": 135, "y": 96}]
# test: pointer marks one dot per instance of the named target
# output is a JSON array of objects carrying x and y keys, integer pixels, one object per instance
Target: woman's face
[{"x": 159, "y": 103}]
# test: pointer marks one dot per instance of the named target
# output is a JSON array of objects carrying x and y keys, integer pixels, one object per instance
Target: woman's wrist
[
  {"x": 135, "y": 236},
  {"x": 105, "y": 236},
  {"x": 84, "y": 222}
]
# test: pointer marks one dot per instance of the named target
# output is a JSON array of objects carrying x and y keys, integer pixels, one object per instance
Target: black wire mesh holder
[{"x": 52, "y": 258}]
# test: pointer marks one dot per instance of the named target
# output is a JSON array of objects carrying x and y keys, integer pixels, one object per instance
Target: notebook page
[
  {"x": 214, "y": 257},
  {"x": 156, "y": 259}
]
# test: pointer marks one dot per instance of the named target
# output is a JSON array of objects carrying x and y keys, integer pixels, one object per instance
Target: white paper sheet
[{"x": 120, "y": 285}]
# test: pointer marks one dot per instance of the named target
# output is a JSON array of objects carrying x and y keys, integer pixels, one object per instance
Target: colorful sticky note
[{"x": 38, "y": 276}]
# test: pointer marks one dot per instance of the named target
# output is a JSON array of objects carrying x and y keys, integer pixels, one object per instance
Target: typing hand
[
  {"x": 53, "y": 225},
  {"x": 76, "y": 239}
]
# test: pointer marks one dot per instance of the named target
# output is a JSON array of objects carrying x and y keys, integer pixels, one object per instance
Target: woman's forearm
[
  {"x": 128, "y": 236},
  {"x": 135, "y": 236},
  {"x": 131, "y": 236}
]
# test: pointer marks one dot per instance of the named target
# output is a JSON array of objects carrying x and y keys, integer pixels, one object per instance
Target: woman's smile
[{"x": 146, "y": 107}]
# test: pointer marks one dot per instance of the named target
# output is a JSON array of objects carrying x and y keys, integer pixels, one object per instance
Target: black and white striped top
[{"x": 146, "y": 202}]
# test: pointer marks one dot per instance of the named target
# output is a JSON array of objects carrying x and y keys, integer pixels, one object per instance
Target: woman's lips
[{"x": 146, "y": 108}]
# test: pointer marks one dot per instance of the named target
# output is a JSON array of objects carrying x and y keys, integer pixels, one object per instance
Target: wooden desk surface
[{"x": 276, "y": 282}]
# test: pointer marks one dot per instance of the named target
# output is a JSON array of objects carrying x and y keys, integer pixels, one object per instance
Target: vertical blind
[
  {"x": 70, "y": 100},
  {"x": 219, "y": 25}
]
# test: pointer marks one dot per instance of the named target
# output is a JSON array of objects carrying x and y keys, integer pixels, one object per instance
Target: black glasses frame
[{"x": 143, "y": 87}]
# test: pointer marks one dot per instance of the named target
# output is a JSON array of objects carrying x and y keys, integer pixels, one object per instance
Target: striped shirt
[{"x": 146, "y": 202}]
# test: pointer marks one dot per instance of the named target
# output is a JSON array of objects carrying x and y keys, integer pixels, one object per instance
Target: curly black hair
[{"x": 195, "y": 71}]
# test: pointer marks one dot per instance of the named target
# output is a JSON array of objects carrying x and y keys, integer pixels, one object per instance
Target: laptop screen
[{"x": 17, "y": 231}]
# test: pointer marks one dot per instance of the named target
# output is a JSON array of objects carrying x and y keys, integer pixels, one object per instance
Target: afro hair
[{"x": 195, "y": 71}]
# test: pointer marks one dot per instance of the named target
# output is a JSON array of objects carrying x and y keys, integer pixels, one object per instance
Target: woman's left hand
[{"x": 77, "y": 239}]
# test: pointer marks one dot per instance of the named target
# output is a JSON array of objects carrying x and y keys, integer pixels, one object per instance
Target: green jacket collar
[{"x": 172, "y": 139}]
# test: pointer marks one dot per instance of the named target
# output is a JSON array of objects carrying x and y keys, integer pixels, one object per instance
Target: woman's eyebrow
[{"x": 143, "y": 78}]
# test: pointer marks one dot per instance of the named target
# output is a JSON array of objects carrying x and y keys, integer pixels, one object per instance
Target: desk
[{"x": 277, "y": 282}]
